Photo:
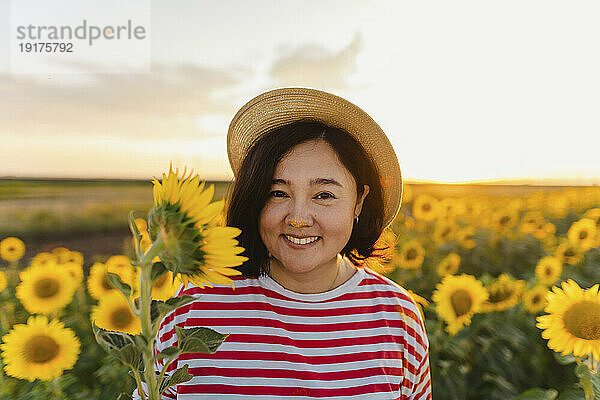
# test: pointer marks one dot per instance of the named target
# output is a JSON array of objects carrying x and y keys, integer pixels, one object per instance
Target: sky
[{"x": 465, "y": 90}]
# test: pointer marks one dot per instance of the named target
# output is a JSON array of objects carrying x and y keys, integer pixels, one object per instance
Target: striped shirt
[{"x": 364, "y": 339}]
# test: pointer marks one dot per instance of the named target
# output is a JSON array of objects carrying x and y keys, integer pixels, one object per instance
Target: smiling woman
[{"x": 317, "y": 182}]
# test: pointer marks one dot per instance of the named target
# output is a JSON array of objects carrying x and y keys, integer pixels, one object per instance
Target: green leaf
[
  {"x": 199, "y": 340},
  {"x": 179, "y": 376},
  {"x": 110, "y": 340},
  {"x": 161, "y": 308},
  {"x": 194, "y": 345},
  {"x": 129, "y": 355},
  {"x": 116, "y": 282},
  {"x": 589, "y": 380},
  {"x": 158, "y": 270},
  {"x": 168, "y": 352},
  {"x": 537, "y": 394},
  {"x": 564, "y": 360}
]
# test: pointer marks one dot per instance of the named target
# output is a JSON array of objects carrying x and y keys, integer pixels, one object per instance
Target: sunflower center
[
  {"x": 446, "y": 232},
  {"x": 106, "y": 283},
  {"x": 548, "y": 271},
  {"x": 500, "y": 294},
  {"x": 40, "y": 349},
  {"x": 46, "y": 287},
  {"x": 11, "y": 248},
  {"x": 582, "y": 320},
  {"x": 121, "y": 317},
  {"x": 411, "y": 254},
  {"x": 536, "y": 299},
  {"x": 461, "y": 302},
  {"x": 569, "y": 253},
  {"x": 504, "y": 220},
  {"x": 426, "y": 207},
  {"x": 582, "y": 235}
]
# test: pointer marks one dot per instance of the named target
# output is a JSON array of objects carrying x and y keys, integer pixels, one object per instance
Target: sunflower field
[{"x": 508, "y": 289}]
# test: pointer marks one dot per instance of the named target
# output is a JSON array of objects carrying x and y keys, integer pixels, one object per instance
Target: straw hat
[{"x": 285, "y": 105}]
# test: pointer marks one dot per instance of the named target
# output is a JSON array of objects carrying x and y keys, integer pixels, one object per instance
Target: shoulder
[
  {"x": 382, "y": 285},
  {"x": 408, "y": 311}
]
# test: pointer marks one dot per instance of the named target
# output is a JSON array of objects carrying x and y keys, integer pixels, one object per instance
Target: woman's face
[{"x": 313, "y": 189}]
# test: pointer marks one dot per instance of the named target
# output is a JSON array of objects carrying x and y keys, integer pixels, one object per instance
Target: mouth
[{"x": 301, "y": 243}]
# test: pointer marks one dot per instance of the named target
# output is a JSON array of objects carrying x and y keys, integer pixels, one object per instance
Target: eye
[
  {"x": 275, "y": 192},
  {"x": 330, "y": 196}
]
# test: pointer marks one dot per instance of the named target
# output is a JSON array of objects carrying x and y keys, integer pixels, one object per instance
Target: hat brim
[{"x": 282, "y": 106}]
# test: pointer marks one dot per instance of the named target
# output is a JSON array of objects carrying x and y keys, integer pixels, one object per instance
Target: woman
[{"x": 316, "y": 183}]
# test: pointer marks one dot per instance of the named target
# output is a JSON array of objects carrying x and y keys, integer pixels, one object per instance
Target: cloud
[
  {"x": 164, "y": 103},
  {"x": 312, "y": 65}
]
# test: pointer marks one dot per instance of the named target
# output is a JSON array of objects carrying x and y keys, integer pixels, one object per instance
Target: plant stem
[
  {"x": 138, "y": 382},
  {"x": 146, "y": 321},
  {"x": 164, "y": 368}
]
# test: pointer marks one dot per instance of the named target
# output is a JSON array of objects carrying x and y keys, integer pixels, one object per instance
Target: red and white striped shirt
[{"x": 364, "y": 339}]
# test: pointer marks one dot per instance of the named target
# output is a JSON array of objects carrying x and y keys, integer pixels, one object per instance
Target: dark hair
[{"x": 253, "y": 184}]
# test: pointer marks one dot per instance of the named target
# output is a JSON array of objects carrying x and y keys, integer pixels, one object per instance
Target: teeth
[{"x": 303, "y": 240}]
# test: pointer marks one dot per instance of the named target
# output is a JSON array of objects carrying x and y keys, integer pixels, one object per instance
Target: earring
[{"x": 356, "y": 220}]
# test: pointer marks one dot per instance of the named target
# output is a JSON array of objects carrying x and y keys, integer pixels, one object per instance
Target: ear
[{"x": 360, "y": 201}]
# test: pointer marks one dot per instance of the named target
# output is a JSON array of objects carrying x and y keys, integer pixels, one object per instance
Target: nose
[
  {"x": 297, "y": 221},
  {"x": 299, "y": 216}
]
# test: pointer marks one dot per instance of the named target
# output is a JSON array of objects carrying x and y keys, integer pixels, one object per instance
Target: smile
[{"x": 301, "y": 242}]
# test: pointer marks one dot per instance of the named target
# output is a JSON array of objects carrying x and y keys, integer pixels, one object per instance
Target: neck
[{"x": 319, "y": 280}]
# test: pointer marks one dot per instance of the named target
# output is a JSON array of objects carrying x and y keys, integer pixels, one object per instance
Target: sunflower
[
  {"x": 425, "y": 207},
  {"x": 594, "y": 215},
  {"x": 113, "y": 314},
  {"x": 73, "y": 257},
  {"x": 457, "y": 298},
  {"x": 452, "y": 208},
  {"x": 583, "y": 233},
  {"x": 573, "y": 320},
  {"x": 534, "y": 299},
  {"x": 164, "y": 287},
  {"x": 504, "y": 219},
  {"x": 120, "y": 263},
  {"x": 465, "y": 237},
  {"x": 504, "y": 293},
  {"x": 12, "y": 249},
  {"x": 62, "y": 253},
  {"x": 548, "y": 270},
  {"x": 410, "y": 256},
  {"x": 39, "y": 349},
  {"x": 449, "y": 265},
  {"x": 75, "y": 270},
  {"x": 184, "y": 217},
  {"x": 530, "y": 221},
  {"x": 98, "y": 284},
  {"x": 44, "y": 258},
  {"x": 444, "y": 231},
  {"x": 3, "y": 281},
  {"x": 543, "y": 230},
  {"x": 568, "y": 252},
  {"x": 45, "y": 290}
]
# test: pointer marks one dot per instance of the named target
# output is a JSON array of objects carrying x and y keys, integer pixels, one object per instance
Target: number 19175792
[{"x": 46, "y": 47}]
